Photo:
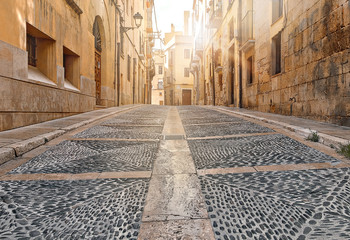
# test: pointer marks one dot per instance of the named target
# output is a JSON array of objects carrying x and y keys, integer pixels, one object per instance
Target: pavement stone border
[
  {"x": 19, "y": 148},
  {"x": 325, "y": 139}
]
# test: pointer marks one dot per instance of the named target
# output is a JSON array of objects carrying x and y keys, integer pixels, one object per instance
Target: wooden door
[
  {"x": 98, "y": 76},
  {"x": 186, "y": 97}
]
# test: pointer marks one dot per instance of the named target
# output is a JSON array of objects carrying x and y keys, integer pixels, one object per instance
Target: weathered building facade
[
  {"x": 158, "y": 78},
  {"x": 279, "y": 56},
  {"x": 178, "y": 81},
  {"x": 59, "y": 58}
]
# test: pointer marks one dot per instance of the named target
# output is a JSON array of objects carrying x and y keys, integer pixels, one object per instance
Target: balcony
[
  {"x": 248, "y": 39},
  {"x": 215, "y": 14}
]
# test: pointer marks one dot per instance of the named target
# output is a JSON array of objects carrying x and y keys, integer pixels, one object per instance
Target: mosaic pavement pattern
[
  {"x": 147, "y": 112},
  {"x": 311, "y": 204},
  {"x": 208, "y": 120},
  {"x": 275, "y": 149},
  {"x": 93, "y": 209},
  {"x": 224, "y": 129},
  {"x": 93, "y": 156},
  {"x": 122, "y": 132},
  {"x": 191, "y": 112},
  {"x": 122, "y": 120}
]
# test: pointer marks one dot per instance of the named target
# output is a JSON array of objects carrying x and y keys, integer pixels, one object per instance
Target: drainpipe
[
  {"x": 240, "y": 55},
  {"x": 118, "y": 75},
  {"x": 115, "y": 59},
  {"x": 213, "y": 71},
  {"x": 240, "y": 80}
]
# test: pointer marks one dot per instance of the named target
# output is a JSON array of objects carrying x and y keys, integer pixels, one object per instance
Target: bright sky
[{"x": 171, "y": 11}]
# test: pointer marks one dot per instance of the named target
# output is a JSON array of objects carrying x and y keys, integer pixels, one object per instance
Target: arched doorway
[{"x": 98, "y": 60}]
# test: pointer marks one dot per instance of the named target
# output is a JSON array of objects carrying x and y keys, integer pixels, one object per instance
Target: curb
[
  {"x": 17, "y": 149},
  {"x": 325, "y": 139}
]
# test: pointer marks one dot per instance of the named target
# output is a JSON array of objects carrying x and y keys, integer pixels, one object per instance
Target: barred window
[
  {"x": 186, "y": 72},
  {"x": 31, "y": 49}
]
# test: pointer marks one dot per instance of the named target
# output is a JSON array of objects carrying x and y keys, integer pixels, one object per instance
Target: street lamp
[{"x": 138, "y": 20}]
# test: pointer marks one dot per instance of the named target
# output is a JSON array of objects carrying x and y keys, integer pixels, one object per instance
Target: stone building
[
  {"x": 158, "y": 79},
  {"x": 279, "y": 56},
  {"x": 178, "y": 82},
  {"x": 59, "y": 58}
]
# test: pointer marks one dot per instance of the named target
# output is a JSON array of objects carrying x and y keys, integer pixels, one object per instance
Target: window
[
  {"x": 31, "y": 49},
  {"x": 220, "y": 81},
  {"x": 277, "y": 9},
  {"x": 160, "y": 94},
  {"x": 41, "y": 50},
  {"x": 160, "y": 84},
  {"x": 186, "y": 72},
  {"x": 129, "y": 67},
  {"x": 276, "y": 54},
  {"x": 250, "y": 70},
  {"x": 187, "y": 53},
  {"x": 71, "y": 69},
  {"x": 160, "y": 69}
]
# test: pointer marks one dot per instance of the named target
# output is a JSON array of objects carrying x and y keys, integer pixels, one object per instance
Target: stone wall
[
  {"x": 315, "y": 79},
  {"x": 30, "y": 94}
]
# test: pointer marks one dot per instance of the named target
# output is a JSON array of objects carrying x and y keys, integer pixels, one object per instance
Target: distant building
[
  {"x": 158, "y": 79},
  {"x": 277, "y": 56},
  {"x": 178, "y": 82}
]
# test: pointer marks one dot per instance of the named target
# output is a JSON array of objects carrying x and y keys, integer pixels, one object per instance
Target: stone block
[
  {"x": 60, "y": 76},
  {"x": 6, "y": 154},
  {"x": 298, "y": 44},
  {"x": 87, "y": 86},
  {"x": 6, "y": 59},
  {"x": 335, "y": 20},
  {"x": 321, "y": 89},
  {"x": 20, "y": 64},
  {"x": 346, "y": 14},
  {"x": 346, "y": 62},
  {"x": 52, "y": 135},
  {"x": 27, "y": 145}
]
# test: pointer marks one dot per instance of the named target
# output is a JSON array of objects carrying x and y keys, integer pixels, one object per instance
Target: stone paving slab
[
  {"x": 263, "y": 150},
  {"x": 224, "y": 129},
  {"x": 6, "y": 141},
  {"x": 92, "y": 156},
  {"x": 126, "y": 132},
  {"x": 6, "y": 154},
  {"x": 310, "y": 204},
  {"x": 174, "y": 197},
  {"x": 170, "y": 161},
  {"x": 198, "y": 229},
  {"x": 91, "y": 209}
]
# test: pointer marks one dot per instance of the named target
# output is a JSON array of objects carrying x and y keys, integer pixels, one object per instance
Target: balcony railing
[
  {"x": 248, "y": 28},
  {"x": 215, "y": 13}
]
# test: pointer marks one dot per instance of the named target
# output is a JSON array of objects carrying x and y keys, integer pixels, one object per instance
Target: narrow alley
[{"x": 166, "y": 172}]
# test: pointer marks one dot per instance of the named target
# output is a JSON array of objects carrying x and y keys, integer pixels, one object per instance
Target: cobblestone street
[{"x": 159, "y": 172}]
